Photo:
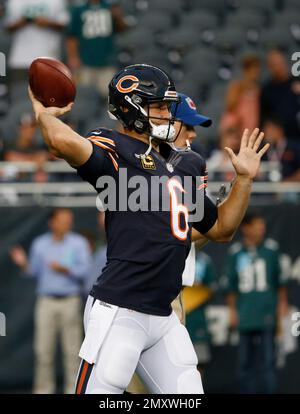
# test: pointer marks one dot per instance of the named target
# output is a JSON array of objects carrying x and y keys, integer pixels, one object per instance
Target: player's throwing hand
[
  {"x": 246, "y": 162},
  {"x": 38, "y": 107}
]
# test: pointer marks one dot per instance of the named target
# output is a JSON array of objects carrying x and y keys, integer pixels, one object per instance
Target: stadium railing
[{"x": 80, "y": 194}]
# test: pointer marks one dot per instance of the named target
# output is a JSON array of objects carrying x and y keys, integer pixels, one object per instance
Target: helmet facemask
[{"x": 159, "y": 132}]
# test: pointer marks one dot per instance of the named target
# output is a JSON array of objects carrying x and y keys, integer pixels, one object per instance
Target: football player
[
  {"x": 187, "y": 118},
  {"x": 129, "y": 323}
]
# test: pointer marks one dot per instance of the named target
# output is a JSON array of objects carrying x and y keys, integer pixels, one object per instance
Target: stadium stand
[{"x": 200, "y": 43}]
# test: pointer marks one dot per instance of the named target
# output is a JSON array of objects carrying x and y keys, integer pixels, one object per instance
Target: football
[{"x": 51, "y": 82}]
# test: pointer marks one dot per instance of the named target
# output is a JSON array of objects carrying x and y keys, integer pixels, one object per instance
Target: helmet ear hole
[
  {"x": 136, "y": 99},
  {"x": 139, "y": 125}
]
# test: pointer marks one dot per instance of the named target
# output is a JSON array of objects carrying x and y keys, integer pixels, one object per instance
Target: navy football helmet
[{"x": 132, "y": 90}]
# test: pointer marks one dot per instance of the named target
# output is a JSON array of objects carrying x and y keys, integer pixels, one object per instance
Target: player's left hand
[
  {"x": 246, "y": 162},
  {"x": 38, "y": 107}
]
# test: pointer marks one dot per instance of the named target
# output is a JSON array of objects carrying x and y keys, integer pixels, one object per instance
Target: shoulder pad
[
  {"x": 104, "y": 138},
  {"x": 102, "y": 132},
  {"x": 196, "y": 162}
]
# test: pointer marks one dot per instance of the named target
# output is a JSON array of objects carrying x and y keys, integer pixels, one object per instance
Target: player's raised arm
[
  {"x": 60, "y": 139},
  {"x": 246, "y": 164}
]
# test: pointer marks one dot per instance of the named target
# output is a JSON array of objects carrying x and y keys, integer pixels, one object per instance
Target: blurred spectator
[
  {"x": 99, "y": 254},
  {"x": 90, "y": 44},
  {"x": 219, "y": 165},
  {"x": 284, "y": 152},
  {"x": 281, "y": 95},
  {"x": 242, "y": 97},
  {"x": 257, "y": 303},
  {"x": 195, "y": 299},
  {"x": 36, "y": 27},
  {"x": 26, "y": 148},
  {"x": 2, "y": 7},
  {"x": 60, "y": 260}
]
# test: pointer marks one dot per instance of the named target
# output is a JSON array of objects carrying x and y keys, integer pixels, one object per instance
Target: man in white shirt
[{"x": 36, "y": 27}]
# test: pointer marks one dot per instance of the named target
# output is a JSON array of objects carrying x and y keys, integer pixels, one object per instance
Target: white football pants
[{"x": 119, "y": 341}]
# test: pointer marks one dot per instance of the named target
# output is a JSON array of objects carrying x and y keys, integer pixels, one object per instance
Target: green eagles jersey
[
  {"x": 255, "y": 275},
  {"x": 93, "y": 26},
  {"x": 196, "y": 320}
]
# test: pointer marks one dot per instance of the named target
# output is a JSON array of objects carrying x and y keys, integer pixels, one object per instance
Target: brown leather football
[{"x": 51, "y": 82}]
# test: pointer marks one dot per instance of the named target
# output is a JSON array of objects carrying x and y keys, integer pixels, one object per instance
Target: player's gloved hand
[
  {"x": 246, "y": 162},
  {"x": 38, "y": 107}
]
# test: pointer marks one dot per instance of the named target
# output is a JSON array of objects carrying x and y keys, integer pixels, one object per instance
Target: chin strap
[
  {"x": 143, "y": 156},
  {"x": 178, "y": 149}
]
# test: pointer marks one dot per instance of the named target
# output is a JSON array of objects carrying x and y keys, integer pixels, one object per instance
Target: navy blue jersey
[{"x": 146, "y": 249}]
